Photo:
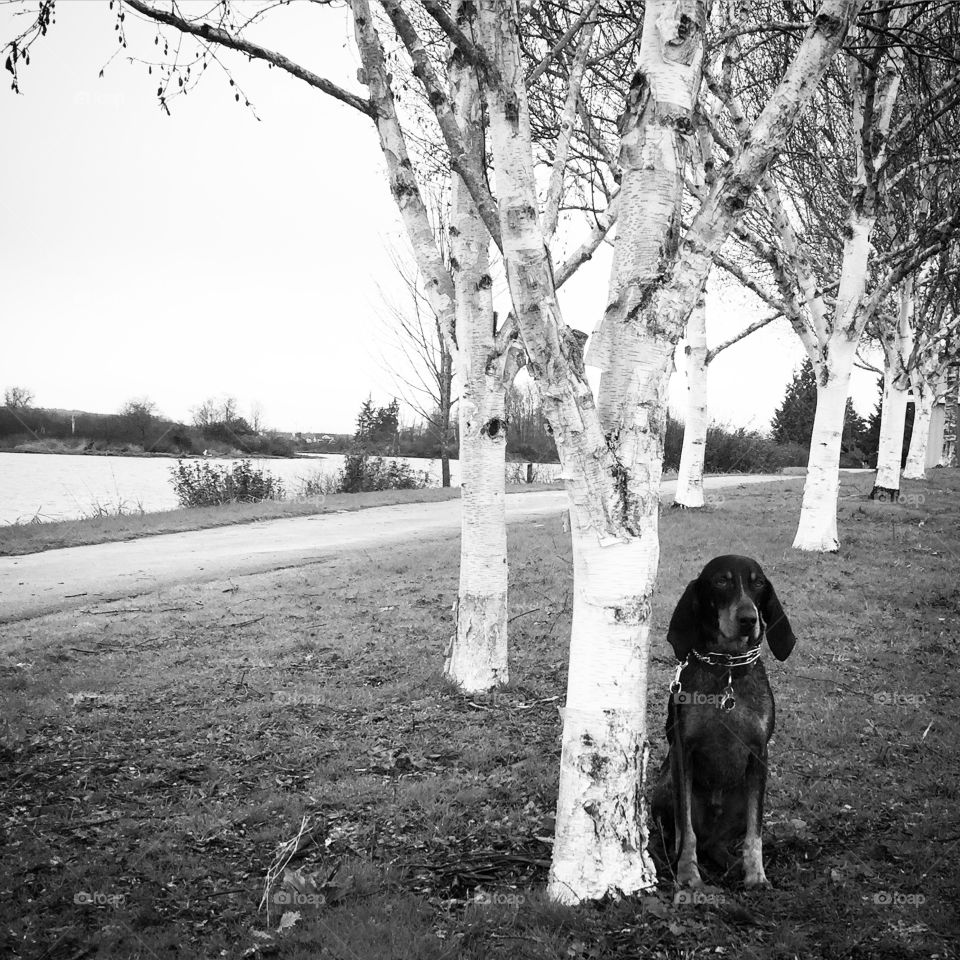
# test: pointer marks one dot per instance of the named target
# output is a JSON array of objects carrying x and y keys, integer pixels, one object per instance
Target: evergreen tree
[{"x": 793, "y": 421}]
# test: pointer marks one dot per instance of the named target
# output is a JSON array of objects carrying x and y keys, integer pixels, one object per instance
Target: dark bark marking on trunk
[{"x": 495, "y": 428}]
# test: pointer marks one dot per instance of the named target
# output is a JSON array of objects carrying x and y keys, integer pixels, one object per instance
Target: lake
[{"x": 53, "y": 486}]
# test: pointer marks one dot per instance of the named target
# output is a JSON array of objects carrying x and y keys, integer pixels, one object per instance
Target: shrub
[
  {"x": 734, "y": 451},
  {"x": 362, "y": 473},
  {"x": 204, "y": 484},
  {"x": 317, "y": 486},
  {"x": 528, "y": 473}
]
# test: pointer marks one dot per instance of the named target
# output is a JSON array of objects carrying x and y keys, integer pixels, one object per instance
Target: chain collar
[{"x": 729, "y": 661}]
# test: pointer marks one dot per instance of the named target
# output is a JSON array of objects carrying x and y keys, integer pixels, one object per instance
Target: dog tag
[{"x": 728, "y": 701}]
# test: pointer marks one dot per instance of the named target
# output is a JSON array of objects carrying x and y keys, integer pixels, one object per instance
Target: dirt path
[{"x": 41, "y": 583}]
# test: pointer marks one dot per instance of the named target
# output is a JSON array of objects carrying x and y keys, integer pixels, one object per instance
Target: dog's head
[{"x": 728, "y": 609}]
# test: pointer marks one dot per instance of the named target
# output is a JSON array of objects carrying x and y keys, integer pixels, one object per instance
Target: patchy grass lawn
[
  {"x": 157, "y": 751},
  {"x": 20, "y": 538}
]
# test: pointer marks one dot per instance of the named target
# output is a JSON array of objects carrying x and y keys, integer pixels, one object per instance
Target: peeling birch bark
[
  {"x": 477, "y": 655},
  {"x": 690, "y": 477},
  {"x": 601, "y": 837}
]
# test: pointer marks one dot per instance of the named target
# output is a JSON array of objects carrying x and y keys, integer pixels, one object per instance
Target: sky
[{"x": 231, "y": 251}]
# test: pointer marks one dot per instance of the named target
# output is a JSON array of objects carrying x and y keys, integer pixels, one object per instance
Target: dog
[{"x": 720, "y": 717}]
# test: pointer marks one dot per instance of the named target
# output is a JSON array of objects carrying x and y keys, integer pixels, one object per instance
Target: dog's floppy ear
[
  {"x": 779, "y": 632},
  {"x": 685, "y": 622}
]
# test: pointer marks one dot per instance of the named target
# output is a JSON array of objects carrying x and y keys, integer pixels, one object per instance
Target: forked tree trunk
[
  {"x": 477, "y": 655},
  {"x": 817, "y": 529},
  {"x": 612, "y": 452},
  {"x": 916, "y": 466},
  {"x": 892, "y": 421},
  {"x": 690, "y": 477},
  {"x": 600, "y": 839},
  {"x": 600, "y": 844}
]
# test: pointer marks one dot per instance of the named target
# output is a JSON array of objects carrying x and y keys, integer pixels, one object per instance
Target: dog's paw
[
  {"x": 757, "y": 881},
  {"x": 688, "y": 875}
]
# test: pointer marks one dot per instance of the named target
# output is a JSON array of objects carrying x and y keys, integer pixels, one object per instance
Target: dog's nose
[{"x": 747, "y": 622}]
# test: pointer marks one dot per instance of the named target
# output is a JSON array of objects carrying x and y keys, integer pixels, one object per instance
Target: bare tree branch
[
  {"x": 218, "y": 35},
  {"x": 560, "y": 45}
]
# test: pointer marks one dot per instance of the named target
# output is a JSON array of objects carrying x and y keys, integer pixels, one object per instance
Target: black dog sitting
[{"x": 709, "y": 796}]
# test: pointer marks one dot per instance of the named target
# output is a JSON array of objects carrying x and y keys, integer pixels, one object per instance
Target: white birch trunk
[
  {"x": 477, "y": 654},
  {"x": 817, "y": 529},
  {"x": 897, "y": 350},
  {"x": 600, "y": 844},
  {"x": 612, "y": 462},
  {"x": 601, "y": 835},
  {"x": 600, "y": 839},
  {"x": 690, "y": 477},
  {"x": 916, "y": 466},
  {"x": 892, "y": 420}
]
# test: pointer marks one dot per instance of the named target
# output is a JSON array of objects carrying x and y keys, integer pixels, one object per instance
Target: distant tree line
[{"x": 217, "y": 428}]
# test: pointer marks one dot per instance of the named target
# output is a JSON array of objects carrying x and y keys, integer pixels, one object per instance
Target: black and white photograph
[{"x": 479, "y": 479}]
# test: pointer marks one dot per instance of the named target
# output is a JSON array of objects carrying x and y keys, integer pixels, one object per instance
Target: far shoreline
[{"x": 134, "y": 454}]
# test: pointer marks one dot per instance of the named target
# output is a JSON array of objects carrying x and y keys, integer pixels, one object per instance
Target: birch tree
[
  {"x": 484, "y": 359},
  {"x": 897, "y": 339},
  {"x": 919, "y": 344},
  {"x": 936, "y": 349},
  {"x": 697, "y": 359},
  {"x": 610, "y": 448},
  {"x": 842, "y": 156}
]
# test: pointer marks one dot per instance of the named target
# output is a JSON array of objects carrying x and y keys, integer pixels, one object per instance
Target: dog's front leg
[
  {"x": 688, "y": 870},
  {"x": 756, "y": 779}
]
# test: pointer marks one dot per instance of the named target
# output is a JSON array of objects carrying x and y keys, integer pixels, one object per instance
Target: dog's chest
[{"x": 721, "y": 741}]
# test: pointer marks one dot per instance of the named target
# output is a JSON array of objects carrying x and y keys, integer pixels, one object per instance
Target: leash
[{"x": 732, "y": 661}]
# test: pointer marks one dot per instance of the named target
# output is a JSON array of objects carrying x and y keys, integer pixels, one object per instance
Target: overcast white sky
[{"x": 209, "y": 253}]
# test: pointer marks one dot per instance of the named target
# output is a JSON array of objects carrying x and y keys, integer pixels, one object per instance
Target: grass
[
  {"x": 158, "y": 752},
  {"x": 105, "y": 527}
]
